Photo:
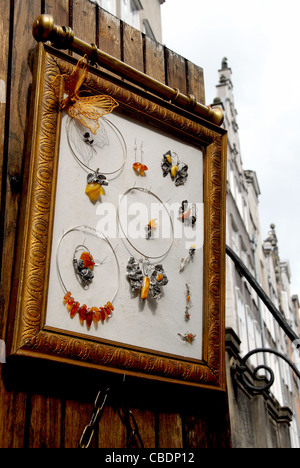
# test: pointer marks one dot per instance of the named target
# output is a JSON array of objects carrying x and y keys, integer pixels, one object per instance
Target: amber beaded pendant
[{"x": 85, "y": 314}]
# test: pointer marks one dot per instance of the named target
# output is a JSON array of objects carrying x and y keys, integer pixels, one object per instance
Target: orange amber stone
[
  {"x": 159, "y": 277},
  {"x": 174, "y": 171},
  {"x": 82, "y": 313},
  {"x": 89, "y": 318},
  {"x": 74, "y": 309},
  {"x": 103, "y": 316},
  {"x": 66, "y": 298},
  {"x": 153, "y": 224},
  {"x": 190, "y": 337},
  {"x": 110, "y": 306},
  {"x": 136, "y": 166},
  {"x": 143, "y": 169},
  {"x": 94, "y": 191},
  {"x": 94, "y": 311},
  {"x": 70, "y": 303},
  {"x": 145, "y": 287},
  {"x": 186, "y": 214},
  {"x": 97, "y": 316},
  {"x": 108, "y": 312},
  {"x": 88, "y": 260}
]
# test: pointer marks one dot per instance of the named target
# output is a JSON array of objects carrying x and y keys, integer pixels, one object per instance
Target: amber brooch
[
  {"x": 146, "y": 278},
  {"x": 173, "y": 166}
]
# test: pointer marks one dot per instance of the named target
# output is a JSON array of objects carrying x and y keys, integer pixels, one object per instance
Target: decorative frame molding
[{"x": 30, "y": 336}]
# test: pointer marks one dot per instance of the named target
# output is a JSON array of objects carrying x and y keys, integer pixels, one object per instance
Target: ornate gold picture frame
[{"x": 37, "y": 329}]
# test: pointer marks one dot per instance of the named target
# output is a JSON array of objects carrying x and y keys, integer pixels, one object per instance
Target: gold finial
[
  {"x": 43, "y": 27},
  {"x": 217, "y": 116},
  {"x": 44, "y": 30}
]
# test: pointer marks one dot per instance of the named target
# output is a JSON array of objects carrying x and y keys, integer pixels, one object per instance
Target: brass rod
[{"x": 62, "y": 37}]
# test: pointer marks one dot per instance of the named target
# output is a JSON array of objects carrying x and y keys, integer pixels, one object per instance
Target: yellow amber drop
[
  {"x": 174, "y": 171},
  {"x": 145, "y": 287},
  {"x": 93, "y": 191},
  {"x": 153, "y": 224},
  {"x": 169, "y": 159}
]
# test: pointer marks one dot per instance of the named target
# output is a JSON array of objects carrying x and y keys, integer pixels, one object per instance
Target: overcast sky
[{"x": 261, "y": 42}]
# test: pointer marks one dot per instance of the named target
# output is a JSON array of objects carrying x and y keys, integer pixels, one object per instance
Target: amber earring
[
  {"x": 139, "y": 167},
  {"x": 188, "y": 303}
]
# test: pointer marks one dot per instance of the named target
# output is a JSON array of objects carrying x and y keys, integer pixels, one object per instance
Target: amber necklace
[
  {"x": 143, "y": 275},
  {"x": 96, "y": 179},
  {"x": 83, "y": 267}
]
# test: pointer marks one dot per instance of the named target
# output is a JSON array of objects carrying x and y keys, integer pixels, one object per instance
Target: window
[
  {"x": 130, "y": 12},
  {"x": 243, "y": 336},
  {"x": 109, "y": 5},
  {"x": 251, "y": 335}
]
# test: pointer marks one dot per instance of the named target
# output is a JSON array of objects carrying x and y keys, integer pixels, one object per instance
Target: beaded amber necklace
[{"x": 87, "y": 314}]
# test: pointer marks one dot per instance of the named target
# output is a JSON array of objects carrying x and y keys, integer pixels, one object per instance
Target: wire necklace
[
  {"x": 83, "y": 268},
  {"x": 144, "y": 276},
  {"x": 85, "y": 146}
]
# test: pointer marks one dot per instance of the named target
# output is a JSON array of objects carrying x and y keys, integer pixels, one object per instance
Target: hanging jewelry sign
[{"x": 122, "y": 260}]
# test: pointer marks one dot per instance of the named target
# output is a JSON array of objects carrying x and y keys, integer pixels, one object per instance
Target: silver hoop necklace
[
  {"x": 144, "y": 276},
  {"x": 84, "y": 268},
  {"x": 97, "y": 179}
]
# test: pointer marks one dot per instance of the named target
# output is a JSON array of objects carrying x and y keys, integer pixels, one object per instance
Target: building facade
[
  {"x": 144, "y": 15},
  {"x": 249, "y": 323}
]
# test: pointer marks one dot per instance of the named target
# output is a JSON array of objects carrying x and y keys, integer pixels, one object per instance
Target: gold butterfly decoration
[{"x": 87, "y": 109}]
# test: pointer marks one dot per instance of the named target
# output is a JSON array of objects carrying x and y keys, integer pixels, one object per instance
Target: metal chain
[
  {"x": 134, "y": 439},
  {"x": 97, "y": 412}
]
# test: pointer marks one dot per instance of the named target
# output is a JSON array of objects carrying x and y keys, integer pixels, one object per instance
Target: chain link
[
  {"x": 97, "y": 412},
  {"x": 134, "y": 439}
]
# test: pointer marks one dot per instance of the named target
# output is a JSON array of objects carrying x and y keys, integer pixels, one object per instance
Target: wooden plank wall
[{"x": 46, "y": 404}]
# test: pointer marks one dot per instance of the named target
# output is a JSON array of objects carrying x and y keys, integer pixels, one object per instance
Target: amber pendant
[
  {"x": 188, "y": 303},
  {"x": 188, "y": 337},
  {"x": 185, "y": 261},
  {"x": 148, "y": 279},
  {"x": 84, "y": 267},
  {"x": 187, "y": 213},
  {"x": 150, "y": 228}
]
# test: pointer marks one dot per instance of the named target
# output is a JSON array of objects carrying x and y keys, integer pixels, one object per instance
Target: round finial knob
[
  {"x": 217, "y": 116},
  {"x": 43, "y": 28}
]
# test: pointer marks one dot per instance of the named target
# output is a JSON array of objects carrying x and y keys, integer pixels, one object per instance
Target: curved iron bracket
[{"x": 242, "y": 368}]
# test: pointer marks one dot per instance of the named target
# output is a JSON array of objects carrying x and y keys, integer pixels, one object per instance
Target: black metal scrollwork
[
  {"x": 242, "y": 368},
  {"x": 271, "y": 377}
]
